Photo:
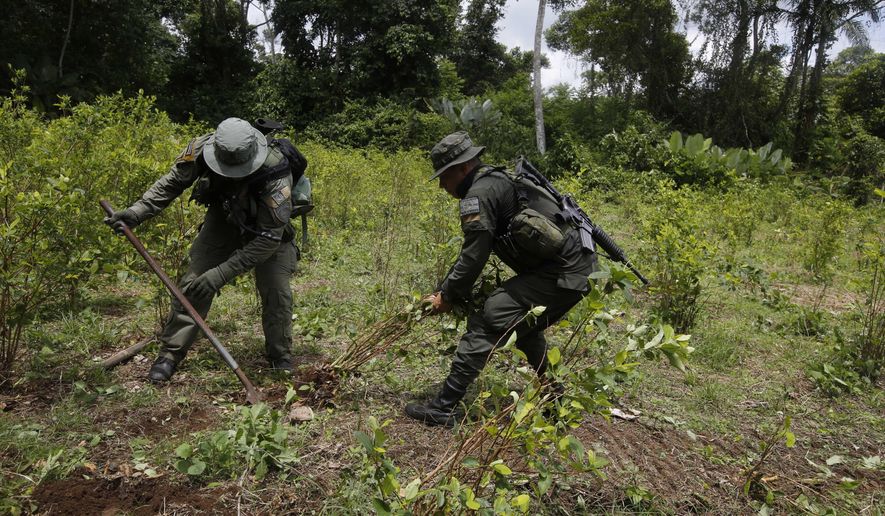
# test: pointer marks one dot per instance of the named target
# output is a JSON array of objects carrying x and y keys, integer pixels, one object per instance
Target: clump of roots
[
  {"x": 318, "y": 384},
  {"x": 323, "y": 380}
]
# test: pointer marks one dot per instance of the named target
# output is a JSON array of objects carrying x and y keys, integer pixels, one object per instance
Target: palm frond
[{"x": 856, "y": 32}]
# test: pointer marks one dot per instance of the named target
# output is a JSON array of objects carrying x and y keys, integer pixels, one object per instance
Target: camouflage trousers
[
  {"x": 216, "y": 241},
  {"x": 503, "y": 313}
]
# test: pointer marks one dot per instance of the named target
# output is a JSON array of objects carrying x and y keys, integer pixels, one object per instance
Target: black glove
[
  {"x": 207, "y": 284},
  {"x": 121, "y": 217}
]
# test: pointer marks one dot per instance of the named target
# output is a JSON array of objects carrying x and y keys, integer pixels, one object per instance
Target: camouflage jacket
[
  {"x": 260, "y": 211},
  {"x": 489, "y": 201}
]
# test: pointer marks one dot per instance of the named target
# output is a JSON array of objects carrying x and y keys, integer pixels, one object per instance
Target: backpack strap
[
  {"x": 519, "y": 185},
  {"x": 522, "y": 182},
  {"x": 267, "y": 174}
]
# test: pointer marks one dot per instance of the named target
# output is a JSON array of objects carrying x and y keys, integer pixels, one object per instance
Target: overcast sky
[{"x": 517, "y": 29}]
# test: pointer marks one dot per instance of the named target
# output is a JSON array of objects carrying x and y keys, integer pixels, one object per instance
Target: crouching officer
[
  {"x": 246, "y": 185},
  {"x": 504, "y": 213}
]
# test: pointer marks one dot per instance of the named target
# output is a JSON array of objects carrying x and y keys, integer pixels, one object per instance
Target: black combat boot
[
  {"x": 282, "y": 364},
  {"x": 442, "y": 410},
  {"x": 162, "y": 369}
]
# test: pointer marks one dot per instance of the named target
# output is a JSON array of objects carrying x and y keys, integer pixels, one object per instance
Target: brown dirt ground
[
  {"x": 665, "y": 462},
  {"x": 33, "y": 395},
  {"x": 77, "y": 495},
  {"x": 685, "y": 475},
  {"x": 831, "y": 299}
]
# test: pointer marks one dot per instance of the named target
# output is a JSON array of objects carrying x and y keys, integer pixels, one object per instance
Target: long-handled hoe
[{"x": 252, "y": 395}]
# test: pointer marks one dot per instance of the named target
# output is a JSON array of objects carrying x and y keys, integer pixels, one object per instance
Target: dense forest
[
  {"x": 742, "y": 168},
  {"x": 376, "y": 73}
]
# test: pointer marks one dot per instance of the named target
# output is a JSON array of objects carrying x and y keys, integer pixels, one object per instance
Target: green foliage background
[
  {"x": 746, "y": 182},
  {"x": 381, "y": 233}
]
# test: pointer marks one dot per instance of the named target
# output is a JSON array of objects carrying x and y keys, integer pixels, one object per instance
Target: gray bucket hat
[
  {"x": 454, "y": 149},
  {"x": 236, "y": 149}
]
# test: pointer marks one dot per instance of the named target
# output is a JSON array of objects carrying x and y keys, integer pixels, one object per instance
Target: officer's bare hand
[
  {"x": 438, "y": 305},
  {"x": 127, "y": 217}
]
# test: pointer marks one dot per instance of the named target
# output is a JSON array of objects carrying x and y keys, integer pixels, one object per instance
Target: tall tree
[
  {"x": 816, "y": 25},
  {"x": 849, "y": 59},
  {"x": 540, "y": 137},
  {"x": 862, "y": 93},
  {"x": 211, "y": 76},
  {"x": 478, "y": 57},
  {"x": 365, "y": 48},
  {"x": 268, "y": 31},
  {"x": 537, "y": 64},
  {"x": 735, "y": 67},
  {"x": 635, "y": 45},
  {"x": 82, "y": 48}
]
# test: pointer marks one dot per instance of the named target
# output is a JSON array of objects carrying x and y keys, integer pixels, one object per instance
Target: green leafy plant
[
  {"x": 380, "y": 470},
  {"x": 824, "y": 237},
  {"x": 52, "y": 174},
  {"x": 36, "y": 260},
  {"x": 754, "y": 485},
  {"x": 677, "y": 253},
  {"x": 837, "y": 374},
  {"x": 734, "y": 217},
  {"x": 808, "y": 321},
  {"x": 639, "y": 496},
  {"x": 470, "y": 114},
  {"x": 516, "y": 454},
  {"x": 379, "y": 123},
  {"x": 695, "y": 160},
  {"x": 256, "y": 444},
  {"x": 871, "y": 345},
  {"x": 632, "y": 149},
  {"x": 856, "y": 360}
]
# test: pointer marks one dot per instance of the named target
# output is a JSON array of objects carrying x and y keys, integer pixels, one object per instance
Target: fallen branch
[{"x": 126, "y": 354}]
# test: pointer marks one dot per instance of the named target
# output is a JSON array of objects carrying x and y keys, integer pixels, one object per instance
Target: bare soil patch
[
  {"x": 175, "y": 419},
  {"x": 663, "y": 461},
  {"x": 33, "y": 395},
  {"x": 142, "y": 496}
]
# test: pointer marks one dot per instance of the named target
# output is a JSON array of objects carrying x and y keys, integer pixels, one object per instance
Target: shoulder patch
[
  {"x": 278, "y": 197},
  {"x": 187, "y": 154},
  {"x": 193, "y": 149},
  {"x": 469, "y": 206},
  {"x": 279, "y": 204}
]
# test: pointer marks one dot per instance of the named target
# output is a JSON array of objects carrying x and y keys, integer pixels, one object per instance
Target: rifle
[{"x": 571, "y": 213}]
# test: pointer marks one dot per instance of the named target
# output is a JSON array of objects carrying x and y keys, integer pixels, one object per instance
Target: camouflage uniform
[
  {"x": 490, "y": 198},
  {"x": 488, "y": 204},
  {"x": 246, "y": 227}
]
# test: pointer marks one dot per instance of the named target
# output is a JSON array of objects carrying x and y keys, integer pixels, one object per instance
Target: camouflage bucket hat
[
  {"x": 236, "y": 149},
  {"x": 454, "y": 149}
]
